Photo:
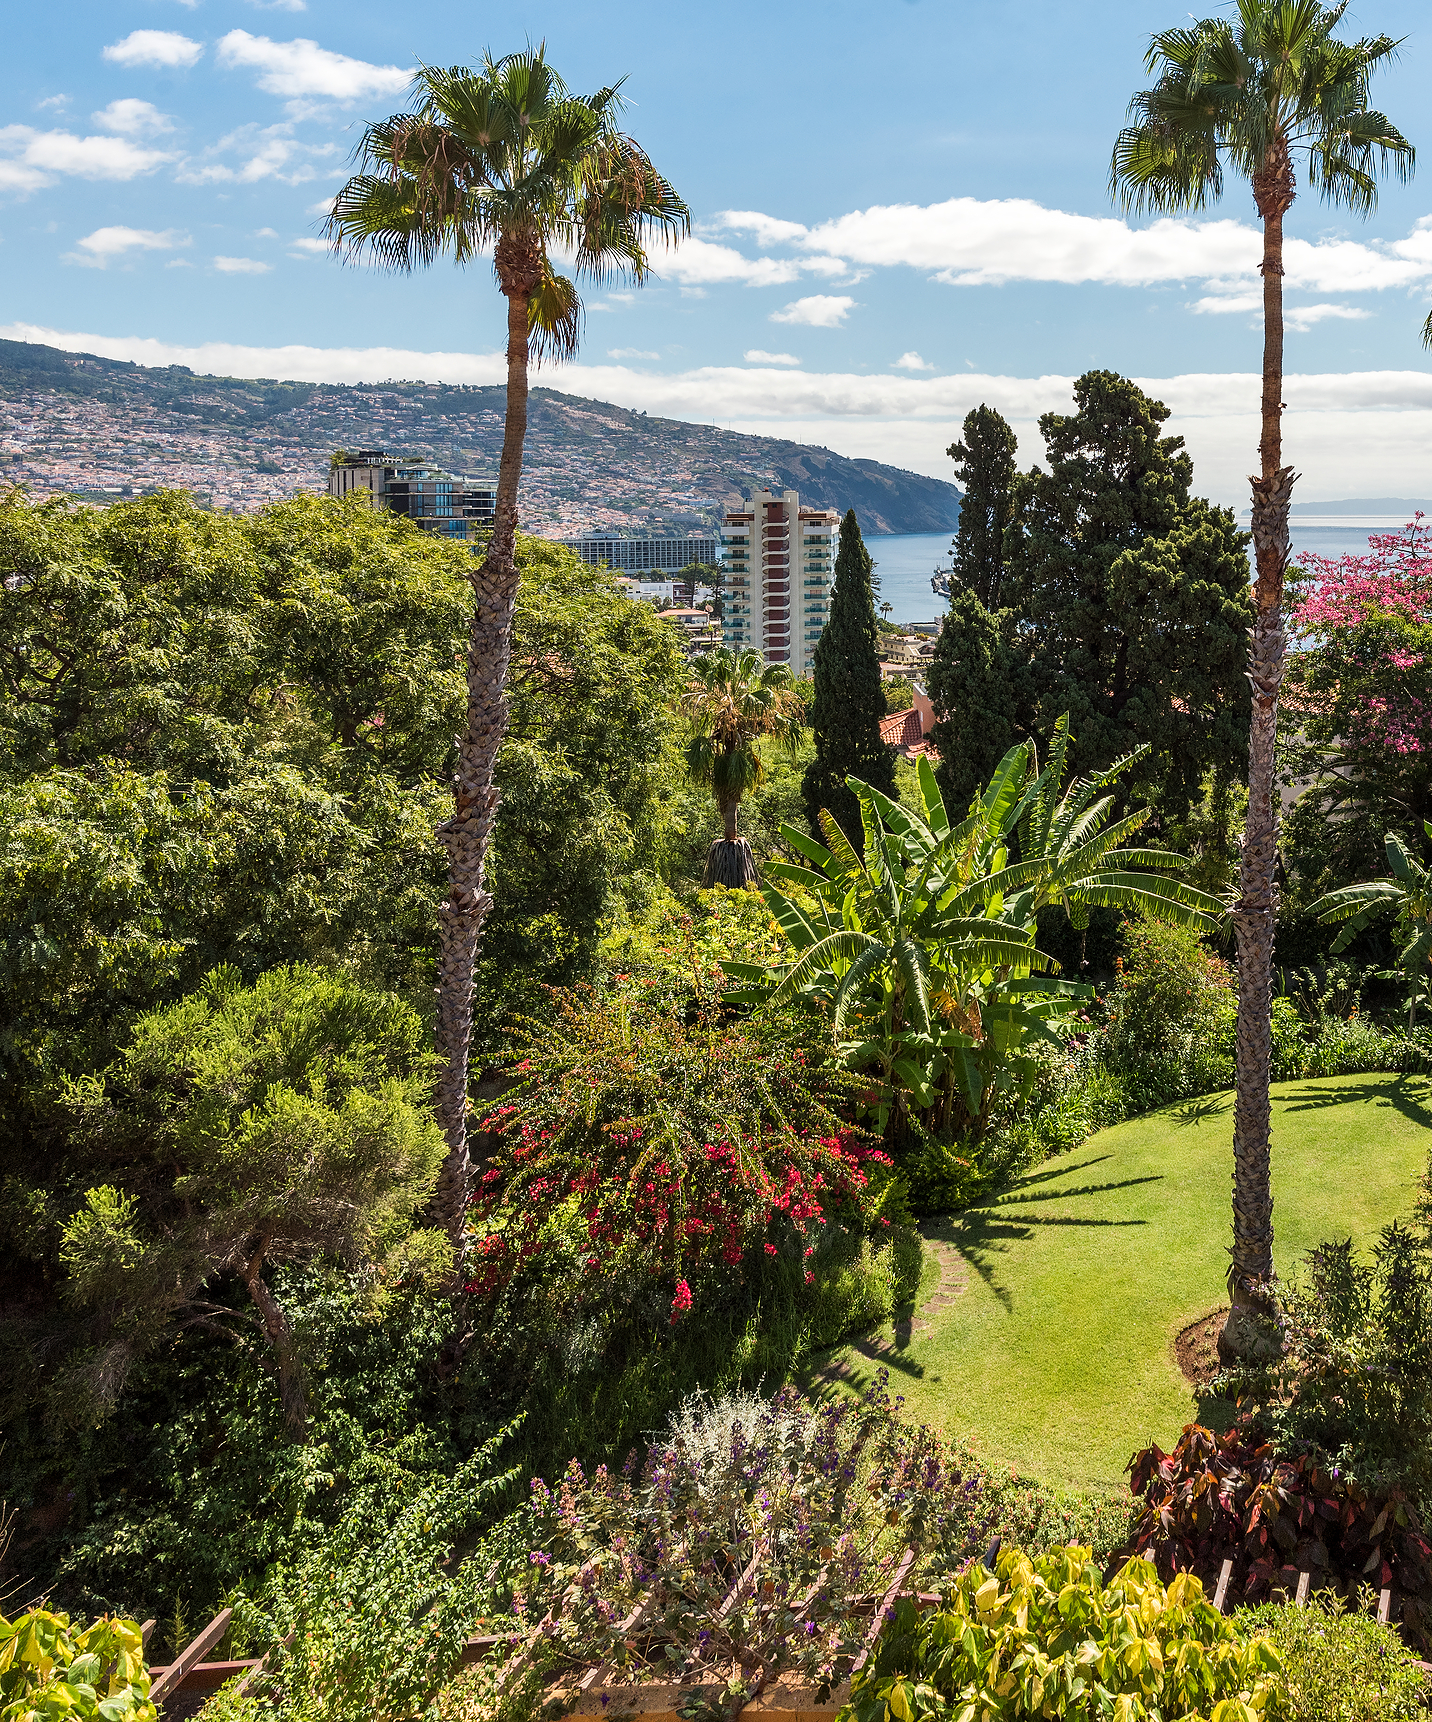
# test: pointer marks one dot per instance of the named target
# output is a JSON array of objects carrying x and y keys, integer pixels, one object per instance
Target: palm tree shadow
[
  {"x": 1206, "y": 1106},
  {"x": 1405, "y": 1094}
]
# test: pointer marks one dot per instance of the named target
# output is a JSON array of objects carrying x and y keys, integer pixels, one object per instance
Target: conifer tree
[
  {"x": 984, "y": 464},
  {"x": 849, "y": 700}
]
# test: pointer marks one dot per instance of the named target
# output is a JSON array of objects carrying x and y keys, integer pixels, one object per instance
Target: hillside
[{"x": 79, "y": 424}]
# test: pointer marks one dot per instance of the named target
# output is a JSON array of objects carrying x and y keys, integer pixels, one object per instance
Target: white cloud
[
  {"x": 55, "y": 102},
  {"x": 1350, "y": 433},
  {"x": 754, "y": 356},
  {"x": 630, "y": 353},
  {"x": 973, "y": 242},
  {"x": 154, "y": 48},
  {"x": 819, "y": 311},
  {"x": 241, "y": 266},
  {"x": 280, "y": 5},
  {"x": 697, "y": 261},
  {"x": 1302, "y": 317},
  {"x": 29, "y": 159},
  {"x": 132, "y": 118},
  {"x": 912, "y": 362},
  {"x": 272, "y": 151},
  {"x": 96, "y": 250},
  {"x": 302, "y": 68},
  {"x": 309, "y": 247}
]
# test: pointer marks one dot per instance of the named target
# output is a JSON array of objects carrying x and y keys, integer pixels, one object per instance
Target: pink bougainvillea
[{"x": 1394, "y": 578}]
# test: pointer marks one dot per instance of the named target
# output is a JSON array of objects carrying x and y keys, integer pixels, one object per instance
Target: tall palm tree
[
  {"x": 734, "y": 703},
  {"x": 501, "y": 158},
  {"x": 1255, "y": 93}
]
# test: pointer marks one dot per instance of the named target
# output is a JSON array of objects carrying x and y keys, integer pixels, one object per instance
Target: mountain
[{"x": 71, "y": 422}]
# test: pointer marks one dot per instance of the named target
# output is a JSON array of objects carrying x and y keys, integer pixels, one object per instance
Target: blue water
[{"x": 905, "y": 561}]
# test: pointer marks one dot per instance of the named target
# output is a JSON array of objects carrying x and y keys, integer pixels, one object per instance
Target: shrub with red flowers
[
  {"x": 1359, "y": 699},
  {"x": 640, "y": 1142},
  {"x": 1276, "y": 1515}
]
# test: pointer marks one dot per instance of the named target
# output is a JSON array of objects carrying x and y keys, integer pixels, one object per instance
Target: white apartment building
[{"x": 779, "y": 563}]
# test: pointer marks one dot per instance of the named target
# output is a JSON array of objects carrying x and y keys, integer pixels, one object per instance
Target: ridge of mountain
[{"x": 72, "y": 422}]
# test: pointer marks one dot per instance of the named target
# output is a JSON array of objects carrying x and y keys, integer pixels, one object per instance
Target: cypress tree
[
  {"x": 984, "y": 464},
  {"x": 849, "y": 699}
]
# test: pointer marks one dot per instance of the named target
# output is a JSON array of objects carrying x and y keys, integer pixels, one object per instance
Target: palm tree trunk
[
  {"x": 467, "y": 834},
  {"x": 1246, "y": 1334}
]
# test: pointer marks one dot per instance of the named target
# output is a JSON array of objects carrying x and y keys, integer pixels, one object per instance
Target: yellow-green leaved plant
[{"x": 52, "y": 1672}]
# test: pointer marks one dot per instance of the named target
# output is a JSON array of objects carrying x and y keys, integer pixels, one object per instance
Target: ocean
[{"x": 904, "y": 562}]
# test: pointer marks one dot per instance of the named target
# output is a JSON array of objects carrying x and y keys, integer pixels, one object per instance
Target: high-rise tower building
[
  {"x": 445, "y": 503},
  {"x": 778, "y": 563}
]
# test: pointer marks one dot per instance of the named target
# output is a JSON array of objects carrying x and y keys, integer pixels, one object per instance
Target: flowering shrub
[
  {"x": 753, "y": 1540},
  {"x": 1359, "y": 701},
  {"x": 638, "y": 1143},
  {"x": 1274, "y": 1515}
]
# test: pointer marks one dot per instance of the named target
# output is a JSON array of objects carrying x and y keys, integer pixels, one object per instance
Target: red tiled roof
[{"x": 901, "y": 729}]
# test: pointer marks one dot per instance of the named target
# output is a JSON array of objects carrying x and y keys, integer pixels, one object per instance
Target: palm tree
[
  {"x": 736, "y": 702},
  {"x": 504, "y": 158},
  {"x": 1408, "y": 895},
  {"x": 1254, "y": 93}
]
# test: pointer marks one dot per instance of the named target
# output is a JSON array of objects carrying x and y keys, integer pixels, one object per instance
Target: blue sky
[{"x": 901, "y": 209}]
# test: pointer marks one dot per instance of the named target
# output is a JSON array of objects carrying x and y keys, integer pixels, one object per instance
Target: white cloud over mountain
[{"x": 1354, "y": 433}]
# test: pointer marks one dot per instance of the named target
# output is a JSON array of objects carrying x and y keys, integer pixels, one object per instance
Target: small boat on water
[{"x": 940, "y": 583}]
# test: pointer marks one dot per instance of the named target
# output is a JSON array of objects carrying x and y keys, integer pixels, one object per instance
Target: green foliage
[
  {"x": 1047, "y": 1637},
  {"x": 1355, "y": 1373},
  {"x": 583, "y": 766},
  {"x": 973, "y": 686},
  {"x": 984, "y": 465},
  {"x": 1408, "y": 896},
  {"x": 925, "y": 944},
  {"x": 849, "y": 698},
  {"x": 736, "y": 702},
  {"x": 297, "y": 1111},
  {"x": 1132, "y": 596},
  {"x": 51, "y": 1671},
  {"x": 1170, "y": 1006},
  {"x": 1339, "y": 1664},
  {"x": 381, "y": 1608}
]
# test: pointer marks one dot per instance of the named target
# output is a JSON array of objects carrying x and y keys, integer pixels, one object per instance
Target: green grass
[{"x": 1058, "y": 1357}]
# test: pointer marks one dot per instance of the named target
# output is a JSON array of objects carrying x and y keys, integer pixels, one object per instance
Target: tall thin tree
[
  {"x": 984, "y": 464},
  {"x": 501, "y": 159},
  {"x": 849, "y": 696},
  {"x": 1256, "y": 92}
]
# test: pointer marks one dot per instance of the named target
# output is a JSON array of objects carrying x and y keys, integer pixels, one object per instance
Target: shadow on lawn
[
  {"x": 1404, "y": 1094},
  {"x": 982, "y": 1235},
  {"x": 1206, "y": 1106}
]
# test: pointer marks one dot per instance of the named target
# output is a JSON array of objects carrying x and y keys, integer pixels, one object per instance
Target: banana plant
[
  {"x": 1408, "y": 895},
  {"x": 922, "y": 948}
]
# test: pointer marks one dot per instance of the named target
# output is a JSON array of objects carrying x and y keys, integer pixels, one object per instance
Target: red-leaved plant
[{"x": 1234, "y": 1497}]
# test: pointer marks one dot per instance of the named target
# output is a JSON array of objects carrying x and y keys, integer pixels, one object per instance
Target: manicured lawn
[{"x": 1058, "y": 1357}]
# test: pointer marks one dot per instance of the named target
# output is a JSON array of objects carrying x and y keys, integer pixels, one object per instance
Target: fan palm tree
[
  {"x": 499, "y": 159},
  {"x": 734, "y": 703},
  {"x": 1256, "y": 92}
]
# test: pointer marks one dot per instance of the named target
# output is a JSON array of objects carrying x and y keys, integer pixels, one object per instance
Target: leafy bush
[
  {"x": 51, "y": 1671},
  {"x": 1235, "y": 1497},
  {"x": 380, "y": 1609},
  {"x": 1170, "y": 995},
  {"x": 1340, "y": 1665},
  {"x": 1355, "y": 1372},
  {"x": 1047, "y": 1637}
]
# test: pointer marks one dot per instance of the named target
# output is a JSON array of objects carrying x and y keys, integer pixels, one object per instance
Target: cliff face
[{"x": 239, "y": 442}]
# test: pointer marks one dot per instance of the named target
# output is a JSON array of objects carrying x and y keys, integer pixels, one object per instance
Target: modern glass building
[
  {"x": 637, "y": 555},
  {"x": 448, "y": 504}
]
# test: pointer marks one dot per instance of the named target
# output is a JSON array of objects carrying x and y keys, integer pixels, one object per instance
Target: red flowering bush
[{"x": 638, "y": 1143}]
